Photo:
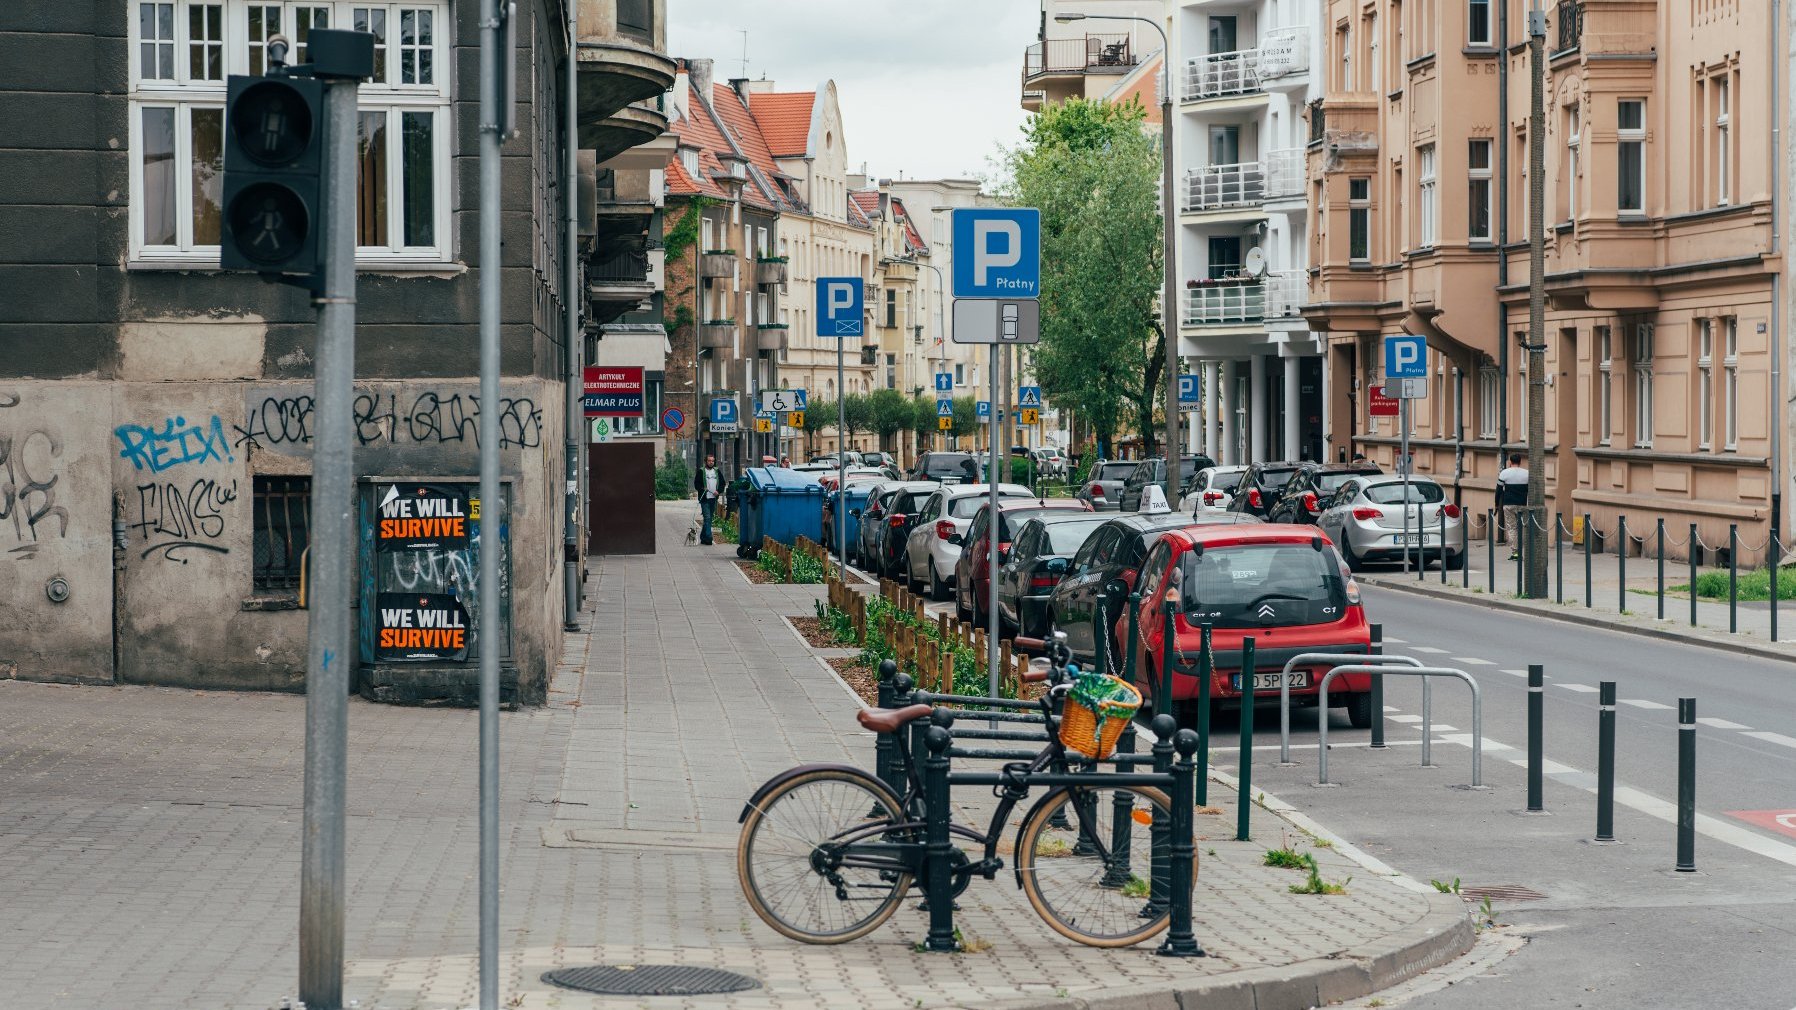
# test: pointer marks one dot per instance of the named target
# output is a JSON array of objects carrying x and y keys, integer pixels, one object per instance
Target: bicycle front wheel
[
  {"x": 815, "y": 861},
  {"x": 1085, "y": 859}
]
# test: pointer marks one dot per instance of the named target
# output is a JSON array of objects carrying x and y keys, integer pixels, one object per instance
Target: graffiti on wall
[
  {"x": 174, "y": 517},
  {"x": 30, "y": 467},
  {"x": 428, "y": 418},
  {"x": 175, "y": 444}
]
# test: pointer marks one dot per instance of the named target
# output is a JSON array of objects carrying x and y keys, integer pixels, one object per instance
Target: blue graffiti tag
[{"x": 177, "y": 443}]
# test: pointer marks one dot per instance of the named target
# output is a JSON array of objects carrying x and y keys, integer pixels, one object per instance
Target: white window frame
[
  {"x": 1574, "y": 137},
  {"x": 1490, "y": 401},
  {"x": 1705, "y": 383},
  {"x": 1360, "y": 208},
  {"x": 1634, "y": 138},
  {"x": 1427, "y": 193},
  {"x": 184, "y": 95},
  {"x": 1723, "y": 140},
  {"x": 1470, "y": 38},
  {"x": 1730, "y": 384},
  {"x": 1605, "y": 391},
  {"x": 1640, "y": 353},
  {"x": 1484, "y": 175}
]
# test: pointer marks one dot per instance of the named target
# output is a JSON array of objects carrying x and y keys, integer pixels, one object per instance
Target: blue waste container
[
  {"x": 857, "y": 495},
  {"x": 782, "y": 504}
]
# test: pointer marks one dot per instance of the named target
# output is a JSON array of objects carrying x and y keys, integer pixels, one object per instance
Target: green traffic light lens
[
  {"x": 272, "y": 123},
  {"x": 269, "y": 223}
]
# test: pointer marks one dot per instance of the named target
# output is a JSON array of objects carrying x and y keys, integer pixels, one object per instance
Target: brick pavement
[{"x": 149, "y": 838}]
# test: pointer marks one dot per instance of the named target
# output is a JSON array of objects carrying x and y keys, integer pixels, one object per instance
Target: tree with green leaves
[
  {"x": 891, "y": 413},
  {"x": 818, "y": 415},
  {"x": 1094, "y": 174}
]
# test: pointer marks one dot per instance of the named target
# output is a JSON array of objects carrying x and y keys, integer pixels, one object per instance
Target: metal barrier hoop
[
  {"x": 1407, "y": 671},
  {"x": 1284, "y": 687}
]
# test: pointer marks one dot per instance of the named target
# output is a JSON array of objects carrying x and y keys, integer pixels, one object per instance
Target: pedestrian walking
[
  {"x": 1512, "y": 498},
  {"x": 709, "y": 485}
]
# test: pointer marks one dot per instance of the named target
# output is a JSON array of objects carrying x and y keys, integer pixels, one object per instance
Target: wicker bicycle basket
[{"x": 1097, "y": 710}]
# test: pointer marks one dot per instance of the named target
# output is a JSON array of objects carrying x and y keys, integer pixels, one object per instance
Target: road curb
[{"x": 1717, "y": 640}]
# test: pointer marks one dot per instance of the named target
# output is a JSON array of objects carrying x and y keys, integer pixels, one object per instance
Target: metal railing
[
  {"x": 1313, "y": 658},
  {"x": 630, "y": 267},
  {"x": 1318, "y": 121},
  {"x": 1214, "y": 187},
  {"x": 1284, "y": 172},
  {"x": 1424, "y": 672},
  {"x": 1076, "y": 55},
  {"x": 1224, "y": 303},
  {"x": 282, "y": 530},
  {"x": 1570, "y": 18},
  {"x": 1219, "y": 74},
  {"x": 1286, "y": 292}
]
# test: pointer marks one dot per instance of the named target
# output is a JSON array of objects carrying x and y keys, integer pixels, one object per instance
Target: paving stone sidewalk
[{"x": 149, "y": 842}]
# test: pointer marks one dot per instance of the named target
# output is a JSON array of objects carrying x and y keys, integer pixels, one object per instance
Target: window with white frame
[
  {"x": 1478, "y": 189},
  {"x": 1359, "y": 220},
  {"x": 1723, "y": 141},
  {"x": 649, "y": 421},
  {"x": 1630, "y": 156},
  {"x": 1605, "y": 370},
  {"x": 1705, "y": 383},
  {"x": 1641, "y": 356},
  {"x": 1573, "y": 141},
  {"x": 1490, "y": 401},
  {"x": 1425, "y": 182},
  {"x": 182, "y": 51},
  {"x": 1477, "y": 23},
  {"x": 1730, "y": 383}
]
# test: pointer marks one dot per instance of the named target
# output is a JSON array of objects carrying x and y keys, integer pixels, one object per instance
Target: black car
[
  {"x": 883, "y": 536},
  {"x": 865, "y": 549},
  {"x": 1104, "y": 569},
  {"x": 1262, "y": 486},
  {"x": 945, "y": 468},
  {"x": 1040, "y": 555},
  {"x": 1304, "y": 498},
  {"x": 1153, "y": 471}
]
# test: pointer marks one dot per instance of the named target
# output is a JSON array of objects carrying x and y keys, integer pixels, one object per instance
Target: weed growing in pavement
[
  {"x": 1375, "y": 1002},
  {"x": 1316, "y": 885},
  {"x": 1452, "y": 888},
  {"x": 1287, "y": 859},
  {"x": 1210, "y": 852},
  {"x": 1135, "y": 888}
]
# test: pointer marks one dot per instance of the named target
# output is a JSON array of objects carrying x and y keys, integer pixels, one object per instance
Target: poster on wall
[
  {"x": 424, "y": 517},
  {"x": 414, "y": 626}
]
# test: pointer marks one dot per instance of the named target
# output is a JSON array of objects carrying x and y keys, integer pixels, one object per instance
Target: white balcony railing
[
  {"x": 1284, "y": 173},
  {"x": 1227, "y": 302},
  {"x": 1216, "y": 187},
  {"x": 1286, "y": 291},
  {"x": 1219, "y": 74}
]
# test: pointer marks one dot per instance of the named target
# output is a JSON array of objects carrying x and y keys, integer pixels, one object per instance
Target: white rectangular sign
[
  {"x": 997, "y": 321},
  {"x": 1407, "y": 389}
]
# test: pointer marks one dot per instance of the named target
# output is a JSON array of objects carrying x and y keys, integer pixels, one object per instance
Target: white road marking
[
  {"x": 1713, "y": 723},
  {"x": 1441, "y": 727},
  {"x": 1643, "y": 703},
  {"x": 1397, "y": 641},
  {"x": 1470, "y": 661},
  {"x": 1429, "y": 649},
  {"x": 1515, "y": 673},
  {"x": 1779, "y": 738},
  {"x": 1407, "y": 718},
  {"x": 1388, "y": 708},
  {"x": 1580, "y": 688}
]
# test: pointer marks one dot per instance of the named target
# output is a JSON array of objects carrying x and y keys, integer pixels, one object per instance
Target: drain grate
[
  {"x": 649, "y": 980},
  {"x": 1501, "y": 892}
]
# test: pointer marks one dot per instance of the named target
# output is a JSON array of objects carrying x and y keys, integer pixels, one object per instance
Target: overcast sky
[{"x": 928, "y": 88}]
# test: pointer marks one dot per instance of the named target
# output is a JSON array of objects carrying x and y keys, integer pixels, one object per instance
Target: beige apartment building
[{"x": 1660, "y": 259}]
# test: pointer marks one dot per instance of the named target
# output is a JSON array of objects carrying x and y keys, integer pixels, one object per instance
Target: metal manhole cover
[
  {"x": 649, "y": 980},
  {"x": 1501, "y": 892}
]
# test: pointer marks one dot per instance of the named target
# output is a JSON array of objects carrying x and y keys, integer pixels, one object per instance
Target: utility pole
[
  {"x": 1532, "y": 539},
  {"x": 575, "y": 352}
]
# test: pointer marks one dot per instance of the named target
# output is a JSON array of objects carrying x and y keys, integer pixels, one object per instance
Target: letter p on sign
[
  {"x": 1405, "y": 357},
  {"x": 986, "y": 256}
]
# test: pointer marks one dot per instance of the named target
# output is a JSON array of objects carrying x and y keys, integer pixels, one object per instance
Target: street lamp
[{"x": 1169, "y": 255}]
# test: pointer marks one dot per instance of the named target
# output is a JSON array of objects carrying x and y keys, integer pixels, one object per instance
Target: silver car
[
  {"x": 1212, "y": 489},
  {"x": 1103, "y": 486},
  {"x": 1368, "y": 516}
]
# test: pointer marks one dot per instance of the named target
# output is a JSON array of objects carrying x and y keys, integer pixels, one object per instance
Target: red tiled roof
[
  {"x": 746, "y": 131},
  {"x": 785, "y": 119},
  {"x": 902, "y": 215},
  {"x": 681, "y": 184},
  {"x": 867, "y": 200},
  {"x": 719, "y": 128}
]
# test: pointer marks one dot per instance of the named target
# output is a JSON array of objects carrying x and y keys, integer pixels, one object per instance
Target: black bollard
[
  {"x": 1180, "y": 942},
  {"x": 1244, "y": 802},
  {"x": 1605, "y": 762},
  {"x": 1559, "y": 556},
  {"x": 939, "y": 848},
  {"x": 1377, "y": 691},
  {"x": 1160, "y": 829},
  {"x": 1686, "y": 785},
  {"x": 1441, "y": 513},
  {"x": 1776, "y": 559},
  {"x": 1536, "y": 726},
  {"x": 1117, "y": 873},
  {"x": 1206, "y": 672},
  {"x": 1169, "y": 657},
  {"x": 1733, "y": 578},
  {"x": 1100, "y": 639},
  {"x": 1490, "y": 548},
  {"x": 883, "y": 743},
  {"x": 1695, "y": 545},
  {"x": 1621, "y": 562},
  {"x": 1659, "y": 531},
  {"x": 1588, "y": 602}
]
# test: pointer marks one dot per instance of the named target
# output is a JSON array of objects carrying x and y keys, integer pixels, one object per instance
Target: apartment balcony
[
  {"x": 616, "y": 286},
  {"x": 633, "y": 125},
  {"x": 1344, "y": 126},
  {"x": 717, "y": 334},
  {"x": 1285, "y": 174},
  {"x": 1055, "y": 70},
  {"x": 1286, "y": 292},
  {"x": 1225, "y": 187},
  {"x": 1222, "y": 75},
  {"x": 770, "y": 337},
  {"x": 717, "y": 264},
  {"x": 1220, "y": 303},
  {"x": 770, "y": 270},
  {"x": 622, "y": 57},
  {"x": 1285, "y": 58},
  {"x": 1569, "y": 18}
]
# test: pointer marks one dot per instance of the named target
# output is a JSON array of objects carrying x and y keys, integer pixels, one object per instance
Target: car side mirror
[
  {"x": 855, "y": 513},
  {"x": 1058, "y": 566},
  {"x": 956, "y": 539}
]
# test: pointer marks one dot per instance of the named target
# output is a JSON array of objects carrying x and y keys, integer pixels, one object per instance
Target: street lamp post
[
  {"x": 1168, "y": 254},
  {"x": 1531, "y": 541}
]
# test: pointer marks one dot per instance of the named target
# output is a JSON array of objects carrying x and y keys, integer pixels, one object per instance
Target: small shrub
[
  {"x": 1286, "y": 859},
  {"x": 805, "y": 570},
  {"x": 672, "y": 480},
  {"x": 1135, "y": 888}
]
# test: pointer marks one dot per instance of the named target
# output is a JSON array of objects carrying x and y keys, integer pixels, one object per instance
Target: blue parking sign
[
  {"x": 839, "y": 307},
  {"x": 1405, "y": 356},
  {"x": 983, "y": 409},
  {"x": 1188, "y": 389},
  {"x": 997, "y": 252},
  {"x": 723, "y": 410}
]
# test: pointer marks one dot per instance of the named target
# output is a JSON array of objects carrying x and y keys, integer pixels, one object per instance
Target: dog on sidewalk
[{"x": 692, "y": 534}]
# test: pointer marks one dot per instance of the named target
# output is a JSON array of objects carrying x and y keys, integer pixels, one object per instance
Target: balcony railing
[
  {"x": 770, "y": 270},
  {"x": 1077, "y": 55},
  {"x": 1216, "y": 187},
  {"x": 1318, "y": 121},
  {"x": 636, "y": 20},
  {"x": 628, "y": 268},
  {"x": 1284, "y": 173},
  {"x": 1221, "y": 74},
  {"x": 1570, "y": 17},
  {"x": 1224, "y": 302},
  {"x": 1286, "y": 291}
]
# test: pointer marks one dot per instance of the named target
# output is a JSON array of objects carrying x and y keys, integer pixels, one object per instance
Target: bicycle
[{"x": 828, "y": 852}]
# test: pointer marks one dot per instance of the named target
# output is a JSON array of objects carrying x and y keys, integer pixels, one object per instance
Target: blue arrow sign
[
  {"x": 944, "y": 408},
  {"x": 983, "y": 409},
  {"x": 1030, "y": 396},
  {"x": 1188, "y": 389},
  {"x": 839, "y": 307},
  {"x": 723, "y": 410},
  {"x": 944, "y": 382},
  {"x": 1405, "y": 357},
  {"x": 997, "y": 252}
]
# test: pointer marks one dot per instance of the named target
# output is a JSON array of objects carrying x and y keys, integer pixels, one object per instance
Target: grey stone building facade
[{"x": 156, "y": 415}]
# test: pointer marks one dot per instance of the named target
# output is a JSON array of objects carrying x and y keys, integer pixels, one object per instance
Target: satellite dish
[{"x": 1255, "y": 262}]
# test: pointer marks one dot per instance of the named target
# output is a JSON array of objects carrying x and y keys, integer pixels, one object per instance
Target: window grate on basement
[{"x": 283, "y": 530}]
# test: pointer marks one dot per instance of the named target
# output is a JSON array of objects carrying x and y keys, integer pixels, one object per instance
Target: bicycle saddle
[{"x": 888, "y": 720}]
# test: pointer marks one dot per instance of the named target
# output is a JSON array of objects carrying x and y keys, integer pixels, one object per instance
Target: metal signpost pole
[
  {"x": 841, "y": 460},
  {"x": 576, "y": 343},
  {"x": 1404, "y": 468},
  {"x": 328, "y": 646},
  {"x": 991, "y": 529},
  {"x": 494, "y": 124}
]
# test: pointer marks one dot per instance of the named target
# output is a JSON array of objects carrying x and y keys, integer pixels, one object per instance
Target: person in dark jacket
[{"x": 708, "y": 482}]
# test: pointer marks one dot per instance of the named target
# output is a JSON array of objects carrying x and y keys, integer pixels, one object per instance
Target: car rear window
[
  {"x": 1226, "y": 481},
  {"x": 1068, "y": 537},
  {"x": 1392, "y": 494},
  {"x": 1115, "y": 471},
  {"x": 1276, "y": 478},
  {"x": 967, "y": 506},
  {"x": 1187, "y": 467},
  {"x": 1010, "y": 523},
  {"x": 945, "y": 463},
  {"x": 1333, "y": 481},
  {"x": 1260, "y": 585}
]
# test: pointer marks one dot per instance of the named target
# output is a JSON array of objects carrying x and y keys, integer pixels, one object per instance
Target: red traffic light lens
[
  {"x": 272, "y": 123},
  {"x": 269, "y": 223}
]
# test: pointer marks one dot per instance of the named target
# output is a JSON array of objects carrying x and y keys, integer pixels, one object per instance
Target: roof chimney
[
  {"x": 740, "y": 86},
  {"x": 700, "y": 72}
]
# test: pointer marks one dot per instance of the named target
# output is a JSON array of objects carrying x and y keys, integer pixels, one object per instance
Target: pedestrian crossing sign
[
  {"x": 944, "y": 408},
  {"x": 1029, "y": 416},
  {"x": 945, "y": 423},
  {"x": 1030, "y": 396}
]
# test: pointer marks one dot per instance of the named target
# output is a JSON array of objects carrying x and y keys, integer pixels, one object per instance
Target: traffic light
[{"x": 274, "y": 156}]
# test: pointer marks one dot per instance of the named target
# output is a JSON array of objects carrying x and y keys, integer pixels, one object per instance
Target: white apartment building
[{"x": 1246, "y": 71}]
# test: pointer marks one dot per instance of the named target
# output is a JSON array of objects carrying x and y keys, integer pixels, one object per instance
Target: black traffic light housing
[{"x": 274, "y": 160}]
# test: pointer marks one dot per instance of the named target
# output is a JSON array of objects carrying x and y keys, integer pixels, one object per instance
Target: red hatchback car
[{"x": 1283, "y": 585}]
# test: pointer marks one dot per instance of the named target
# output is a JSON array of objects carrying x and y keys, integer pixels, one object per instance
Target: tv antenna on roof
[{"x": 744, "y": 33}]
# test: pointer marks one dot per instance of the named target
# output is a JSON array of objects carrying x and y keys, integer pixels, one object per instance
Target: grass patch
[
  {"x": 1316, "y": 885},
  {"x": 1286, "y": 859},
  {"x": 1052, "y": 848},
  {"x": 1754, "y": 586},
  {"x": 1135, "y": 888}
]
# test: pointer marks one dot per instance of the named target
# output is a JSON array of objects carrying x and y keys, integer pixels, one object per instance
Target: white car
[
  {"x": 933, "y": 545},
  {"x": 1212, "y": 489}
]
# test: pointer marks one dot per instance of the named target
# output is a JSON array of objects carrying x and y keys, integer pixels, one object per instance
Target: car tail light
[
  {"x": 1310, "y": 503},
  {"x": 1367, "y": 514},
  {"x": 1352, "y": 593},
  {"x": 1212, "y": 497},
  {"x": 897, "y": 520},
  {"x": 1041, "y": 582},
  {"x": 1253, "y": 498},
  {"x": 1097, "y": 491},
  {"x": 1451, "y": 510},
  {"x": 944, "y": 529}
]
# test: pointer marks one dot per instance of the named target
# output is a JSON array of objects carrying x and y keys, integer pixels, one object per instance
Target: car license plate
[
  {"x": 1269, "y": 681},
  {"x": 1401, "y": 539}
]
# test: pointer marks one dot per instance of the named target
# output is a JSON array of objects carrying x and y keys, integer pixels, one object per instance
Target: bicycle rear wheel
[
  {"x": 1090, "y": 877},
  {"x": 799, "y": 866}
]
